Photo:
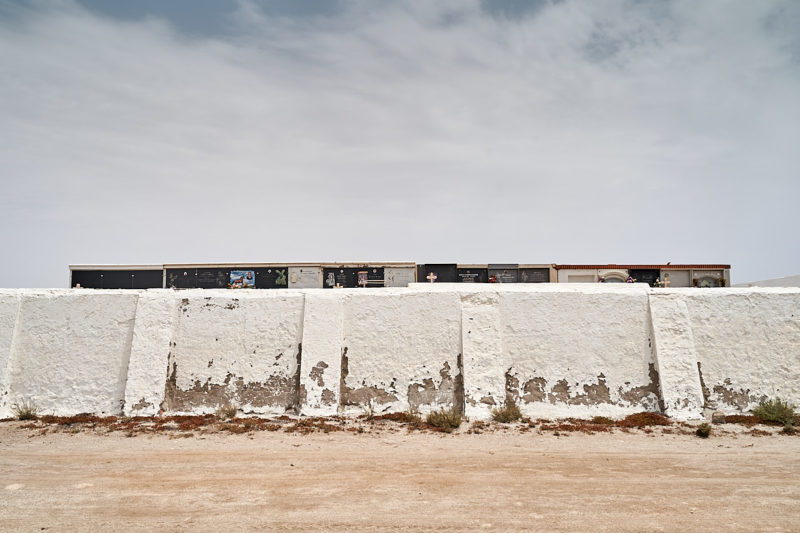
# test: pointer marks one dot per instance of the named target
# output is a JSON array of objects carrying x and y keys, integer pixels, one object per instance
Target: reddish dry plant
[
  {"x": 82, "y": 418},
  {"x": 575, "y": 424},
  {"x": 640, "y": 420},
  {"x": 312, "y": 425},
  {"x": 745, "y": 420}
]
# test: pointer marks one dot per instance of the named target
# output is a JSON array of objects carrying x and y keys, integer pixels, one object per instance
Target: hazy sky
[{"x": 448, "y": 131}]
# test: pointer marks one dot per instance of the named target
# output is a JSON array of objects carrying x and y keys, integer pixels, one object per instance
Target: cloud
[{"x": 577, "y": 131}]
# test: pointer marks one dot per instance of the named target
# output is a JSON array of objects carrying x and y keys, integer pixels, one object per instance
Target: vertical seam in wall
[
  {"x": 654, "y": 354},
  {"x": 176, "y": 316},
  {"x": 11, "y": 354},
  {"x": 299, "y": 356},
  {"x": 342, "y": 354},
  {"x": 460, "y": 401},
  {"x": 123, "y": 372}
]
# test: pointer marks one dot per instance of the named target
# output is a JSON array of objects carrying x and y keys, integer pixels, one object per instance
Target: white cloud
[{"x": 588, "y": 131}]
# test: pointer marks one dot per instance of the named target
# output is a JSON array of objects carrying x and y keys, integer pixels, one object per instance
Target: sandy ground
[{"x": 392, "y": 480}]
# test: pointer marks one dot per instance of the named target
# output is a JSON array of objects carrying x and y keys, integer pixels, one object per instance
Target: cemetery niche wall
[{"x": 384, "y": 274}]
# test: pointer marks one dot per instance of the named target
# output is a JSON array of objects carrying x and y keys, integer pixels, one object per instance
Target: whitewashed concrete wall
[
  {"x": 748, "y": 344},
  {"x": 239, "y": 348},
  {"x": 400, "y": 350},
  {"x": 9, "y": 309},
  {"x": 69, "y": 352},
  {"x": 558, "y": 350}
]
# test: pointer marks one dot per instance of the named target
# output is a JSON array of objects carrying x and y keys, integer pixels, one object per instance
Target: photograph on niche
[{"x": 242, "y": 279}]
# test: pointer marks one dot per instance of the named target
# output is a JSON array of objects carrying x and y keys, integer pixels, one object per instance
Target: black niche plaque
[
  {"x": 473, "y": 275},
  {"x": 270, "y": 277},
  {"x": 503, "y": 273},
  {"x": 213, "y": 278},
  {"x": 349, "y": 277},
  {"x": 444, "y": 273},
  {"x": 147, "y": 279},
  {"x": 87, "y": 279},
  {"x": 534, "y": 275},
  {"x": 642, "y": 275},
  {"x": 182, "y": 278}
]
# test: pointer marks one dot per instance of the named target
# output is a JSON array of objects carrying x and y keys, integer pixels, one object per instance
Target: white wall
[
  {"x": 748, "y": 344},
  {"x": 559, "y": 350},
  {"x": 401, "y": 348},
  {"x": 237, "y": 347},
  {"x": 70, "y": 351}
]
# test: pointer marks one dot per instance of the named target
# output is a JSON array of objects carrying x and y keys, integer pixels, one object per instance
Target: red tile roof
[{"x": 644, "y": 267}]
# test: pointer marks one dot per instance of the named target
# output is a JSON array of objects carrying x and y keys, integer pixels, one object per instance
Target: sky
[{"x": 607, "y": 131}]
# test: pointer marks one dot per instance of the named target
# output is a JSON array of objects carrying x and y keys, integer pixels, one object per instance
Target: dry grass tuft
[
  {"x": 508, "y": 413},
  {"x": 446, "y": 420},
  {"x": 25, "y": 410}
]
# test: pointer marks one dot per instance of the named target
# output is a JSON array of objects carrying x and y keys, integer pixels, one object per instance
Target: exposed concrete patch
[
  {"x": 361, "y": 396},
  {"x": 534, "y": 390},
  {"x": 560, "y": 392},
  {"x": 593, "y": 394},
  {"x": 741, "y": 399},
  {"x": 328, "y": 397},
  {"x": 644, "y": 394},
  {"x": 275, "y": 391},
  {"x": 317, "y": 372},
  {"x": 428, "y": 394},
  {"x": 703, "y": 387}
]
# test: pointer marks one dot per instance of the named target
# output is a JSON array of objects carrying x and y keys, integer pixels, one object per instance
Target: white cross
[{"x": 431, "y": 277}]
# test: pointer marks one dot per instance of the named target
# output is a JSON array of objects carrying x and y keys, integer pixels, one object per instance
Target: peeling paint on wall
[{"x": 556, "y": 351}]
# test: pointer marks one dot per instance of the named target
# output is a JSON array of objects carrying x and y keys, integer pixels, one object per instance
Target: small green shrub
[
  {"x": 25, "y": 410},
  {"x": 227, "y": 411},
  {"x": 445, "y": 419},
  {"x": 703, "y": 430},
  {"x": 508, "y": 413},
  {"x": 776, "y": 410}
]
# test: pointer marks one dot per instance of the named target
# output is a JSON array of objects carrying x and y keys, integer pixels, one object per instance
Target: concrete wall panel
[
  {"x": 70, "y": 350},
  {"x": 239, "y": 348},
  {"x": 321, "y": 364},
  {"x": 578, "y": 353},
  {"x": 676, "y": 355},
  {"x": 401, "y": 350},
  {"x": 748, "y": 344},
  {"x": 9, "y": 308},
  {"x": 156, "y": 314}
]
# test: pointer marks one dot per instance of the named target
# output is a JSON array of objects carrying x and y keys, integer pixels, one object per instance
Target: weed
[
  {"x": 445, "y": 419},
  {"x": 788, "y": 429},
  {"x": 703, "y": 430},
  {"x": 369, "y": 409},
  {"x": 478, "y": 427},
  {"x": 776, "y": 410},
  {"x": 25, "y": 410},
  {"x": 508, "y": 413},
  {"x": 227, "y": 411}
]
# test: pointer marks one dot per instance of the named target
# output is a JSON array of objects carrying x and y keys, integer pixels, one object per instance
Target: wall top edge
[{"x": 460, "y": 288}]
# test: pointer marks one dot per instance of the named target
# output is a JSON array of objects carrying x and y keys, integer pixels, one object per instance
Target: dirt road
[{"x": 393, "y": 480}]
